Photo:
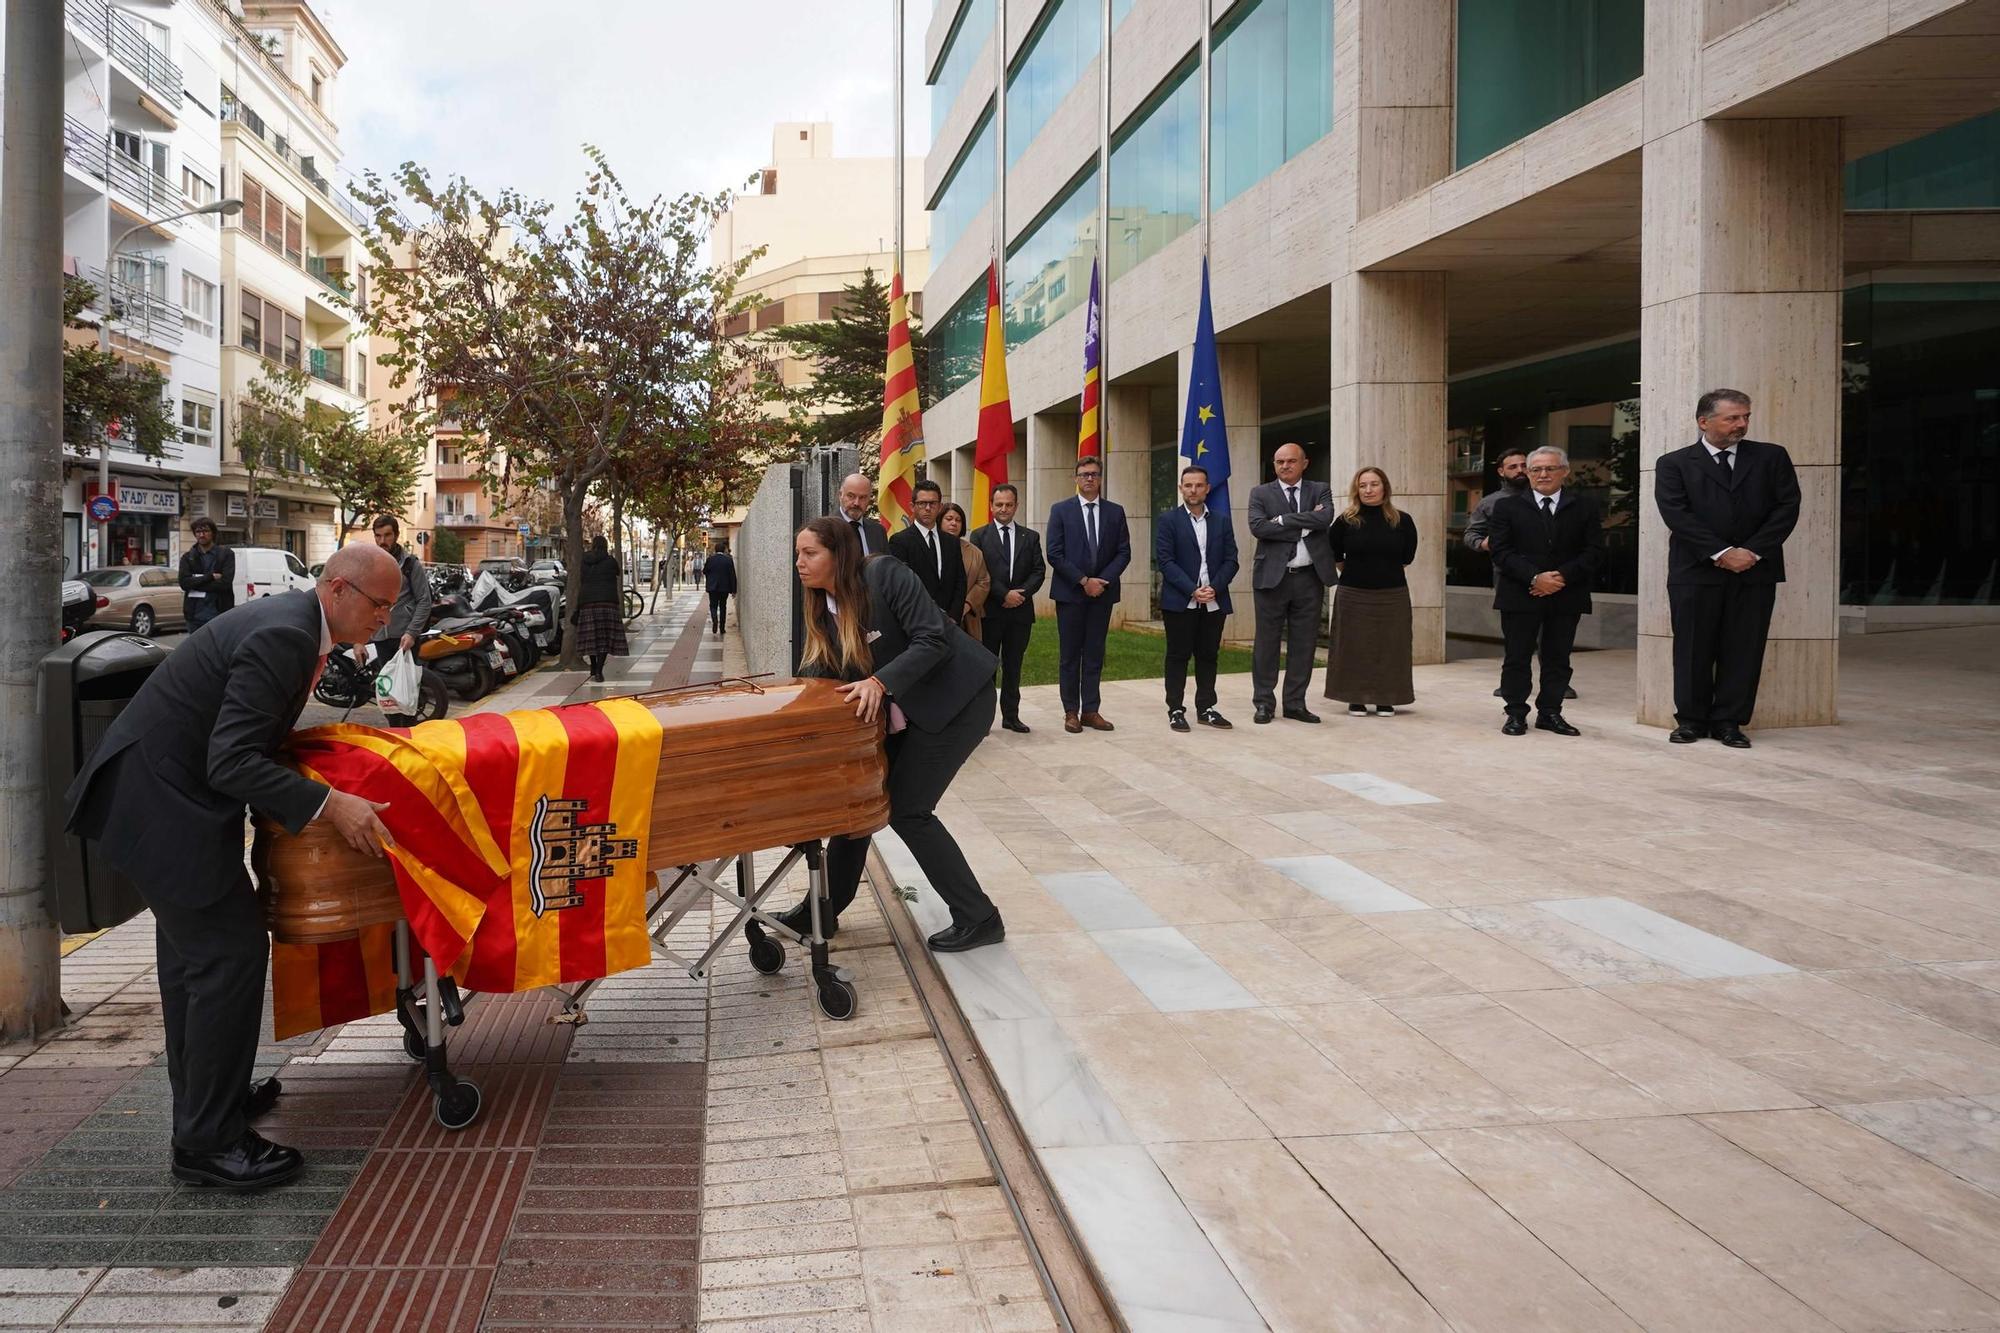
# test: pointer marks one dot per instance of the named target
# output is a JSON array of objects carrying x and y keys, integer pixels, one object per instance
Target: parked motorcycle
[
  {"x": 543, "y": 601},
  {"x": 348, "y": 684},
  {"x": 468, "y": 653},
  {"x": 79, "y": 602}
]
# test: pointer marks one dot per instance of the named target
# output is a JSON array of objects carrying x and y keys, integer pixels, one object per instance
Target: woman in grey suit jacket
[{"x": 871, "y": 624}]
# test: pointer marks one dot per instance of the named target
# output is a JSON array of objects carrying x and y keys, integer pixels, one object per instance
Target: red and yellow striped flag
[
  {"x": 520, "y": 839},
  {"x": 996, "y": 414},
  {"x": 1088, "y": 443},
  {"x": 316, "y": 986},
  {"x": 902, "y": 417}
]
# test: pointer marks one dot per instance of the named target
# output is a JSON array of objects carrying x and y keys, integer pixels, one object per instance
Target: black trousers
[
  {"x": 921, "y": 767},
  {"x": 212, "y": 997},
  {"x": 1006, "y": 634},
  {"x": 1289, "y": 615},
  {"x": 1719, "y": 633},
  {"x": 1080, "y": 630},
  {"x": 1523, "y": 632},
  {"x": 718, "y": 610},
  {"x": 1196, "y": 634}
]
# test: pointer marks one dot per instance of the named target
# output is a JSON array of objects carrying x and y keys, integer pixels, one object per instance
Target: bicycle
[{"x": 634, "y": 604}]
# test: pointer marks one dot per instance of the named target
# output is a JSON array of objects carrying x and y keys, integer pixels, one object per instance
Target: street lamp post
[{"x": 225, "y": 207}]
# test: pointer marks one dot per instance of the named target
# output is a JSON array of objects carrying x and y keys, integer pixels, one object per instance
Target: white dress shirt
[
  {"x": 1555, "y": 500},
  {"x": 1201, "y": 579},
  {"x": 1295, "y": 502}
]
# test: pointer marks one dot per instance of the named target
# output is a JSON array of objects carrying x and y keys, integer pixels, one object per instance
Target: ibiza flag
[
  {"x": 1204, "y": 439},
  {"x": 520, "y": 838},
  {"x": 996, "y": 415},
  {"x": 902, "y": 417},
  {"x": 1088, "y": 444}
]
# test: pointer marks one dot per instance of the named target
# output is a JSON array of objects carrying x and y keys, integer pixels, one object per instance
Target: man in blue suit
[
  {"x": 1195, "y": 552},
  {"x": 1088, "y": 548}
]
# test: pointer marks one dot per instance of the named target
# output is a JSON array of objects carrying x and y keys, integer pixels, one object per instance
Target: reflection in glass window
[
  {"x": 1272, "y": 87},
  {"x": 1119, "y": 9},
  {"x": 1955, "y": 167},
  {"x": 1156, "y": 173},
  {"x": 1048, "y": 270},
  {"x": 953, "y": 343},
  {"x": 969, "y": 36},
  {"x": 966, "y": 189},
  {"x": 1049, "y": 67},
  {"x": 1525, "y": 63}
]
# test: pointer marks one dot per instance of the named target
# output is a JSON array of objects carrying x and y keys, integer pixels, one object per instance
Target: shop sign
[
  {"x": 198, "y": 505},
  {"x": 138, "y": 498},
  {"x": 102, "y": 508},
  {"x": 267, "y": 507}
]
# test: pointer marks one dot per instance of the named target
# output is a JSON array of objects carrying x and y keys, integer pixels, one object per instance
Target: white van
[{"x": 263, "y": 570}]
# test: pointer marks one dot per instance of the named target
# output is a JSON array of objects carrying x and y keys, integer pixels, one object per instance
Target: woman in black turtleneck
[{"x": 1372, "y": 543}]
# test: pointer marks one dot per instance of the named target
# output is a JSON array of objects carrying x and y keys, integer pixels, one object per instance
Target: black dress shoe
[
  {"x": 1687, "y": 734},
  {"x": 1554, "y": 722},
  {"x": 262, "y": 1096},
  {"x": 1208, "y": 717},
  {"x": 1301, "y": 715},
  {"x": 1177, "y": 719},
  {"x": 957, "y": 938},
  {"x": 1263, "y": 714},
  {"x": 1014, "y": 724},
  {"x": 1385, "y": 710},
  {"x": 1733, "y": 737},
  {"x": 1497, "y": 694},
  {"x": 252, "y": 1164},
  {"x": 1569, "y": 691},
  {"x": 800, "y": 919},
  {"x": 1514, "y": 726}
]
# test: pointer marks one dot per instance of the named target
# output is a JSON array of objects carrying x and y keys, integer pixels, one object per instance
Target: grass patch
[{"x": 1128, "y": 655}]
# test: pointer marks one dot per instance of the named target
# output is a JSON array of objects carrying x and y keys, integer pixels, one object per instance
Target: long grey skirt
[{"x": 1370, "y": 658}]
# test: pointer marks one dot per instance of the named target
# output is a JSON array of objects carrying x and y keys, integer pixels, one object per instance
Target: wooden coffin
[{"x": 744, "y": 766}]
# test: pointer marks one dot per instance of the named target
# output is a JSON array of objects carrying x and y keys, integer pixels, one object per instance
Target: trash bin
[{"x": 84, "y": 685}]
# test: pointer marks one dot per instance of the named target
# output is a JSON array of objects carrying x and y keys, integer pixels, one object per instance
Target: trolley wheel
[
  {"x": 766, "y": 954},
  {"x": 836, "y": 996},
  {"x": 457, "y": 1106},
  {"x": 413, "y": 1045}
]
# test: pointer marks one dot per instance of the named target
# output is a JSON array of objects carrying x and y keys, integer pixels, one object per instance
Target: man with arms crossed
[{"x": 1293, "y": 569}]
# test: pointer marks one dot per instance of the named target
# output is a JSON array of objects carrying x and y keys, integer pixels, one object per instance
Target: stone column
[
  {"x": 1740, "y": 288},
  {"x": 1128, "y": 479},
  {"x": 1050, "y": 474},
  {"x": 1388, "y": 411}
]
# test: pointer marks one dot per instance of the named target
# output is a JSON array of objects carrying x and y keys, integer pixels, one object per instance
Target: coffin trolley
[{"x": 746, "y": 765}]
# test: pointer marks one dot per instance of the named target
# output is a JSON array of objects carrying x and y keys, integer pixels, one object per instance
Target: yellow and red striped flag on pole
[
  {"x": 996, "y": 414},
  {"x": 1088, "y": 443},
  {"x": 902, "y": 417}
]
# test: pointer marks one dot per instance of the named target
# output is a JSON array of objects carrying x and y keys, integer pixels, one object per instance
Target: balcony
[
  {"x": 453, "y": 518},
  {"x": 459, "y": 471},
  {"x": 91, "y": 153},
  {"x": 325, "y": 366},
  {"x": 136, "y": 312},
  {"x": 236, "y": 113},
  {"x": 334, "y": 280},
  {"x": 121, "y": 35}
]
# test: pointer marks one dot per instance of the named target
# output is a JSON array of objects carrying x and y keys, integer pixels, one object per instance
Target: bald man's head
[
  {"x": 1289, "y": 463},
  {"x": 855, "y": 493},
  {"x": 358, "y": 587}
]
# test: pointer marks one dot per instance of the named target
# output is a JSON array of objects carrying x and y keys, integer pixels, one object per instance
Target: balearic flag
[
  {"x": 520, "y": 840},
  {"x": 1204, "y": 438},
  {"x": 1088, "y": 443},
  {"x": 902, "y": 417},
  {"x": 996, "y": 415}
]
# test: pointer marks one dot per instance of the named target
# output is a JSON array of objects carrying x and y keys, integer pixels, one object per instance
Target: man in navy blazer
[
  {"x": 1088, "y": 548},
  {"x": 1194, "y": 549}
]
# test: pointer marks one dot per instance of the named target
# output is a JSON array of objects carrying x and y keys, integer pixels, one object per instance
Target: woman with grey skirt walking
[
  {"x": 1372, "y": 543},
  {"x": 600, "y": 612}
]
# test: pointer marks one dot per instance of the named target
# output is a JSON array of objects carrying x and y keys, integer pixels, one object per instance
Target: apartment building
[{"x": 1438, "y": 228}]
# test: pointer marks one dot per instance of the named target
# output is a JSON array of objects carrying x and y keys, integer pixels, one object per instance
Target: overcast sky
[{"x": 681, "y": 94}]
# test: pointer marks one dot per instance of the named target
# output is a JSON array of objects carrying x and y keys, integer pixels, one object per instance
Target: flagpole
[
  {"x": 1207, "y": 122},
  {"x": 897, "y": 6},
  {"x": 1103, "y": 265}
]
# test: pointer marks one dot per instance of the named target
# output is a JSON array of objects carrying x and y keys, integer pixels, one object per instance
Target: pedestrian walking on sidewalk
[
  {"x": 719, "y": 577},
  {"x": 411, "y": 615},
  {"x": 874, "y": 625},
  {"x": 163, "y": 796},
  {"x": 600, "y": 610},
  {"x": 1372, "y": 542}
]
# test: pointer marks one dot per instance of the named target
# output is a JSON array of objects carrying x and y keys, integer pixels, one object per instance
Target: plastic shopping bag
[{"x": 399, "y": 684}]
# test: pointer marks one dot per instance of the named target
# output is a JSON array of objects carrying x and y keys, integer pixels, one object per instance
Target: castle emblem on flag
[{"x": 567, "y": 852}]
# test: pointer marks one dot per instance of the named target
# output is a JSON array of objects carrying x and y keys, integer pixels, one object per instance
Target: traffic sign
[
  {"x": 103, "y": 508},
  {"x": 525, "y": 529}
]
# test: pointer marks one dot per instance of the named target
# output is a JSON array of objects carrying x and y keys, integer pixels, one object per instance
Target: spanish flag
[
  {"x": 520, "y": 841},
  {"x": 996, "y": 416},
  {"x": 902, "y": 417}
]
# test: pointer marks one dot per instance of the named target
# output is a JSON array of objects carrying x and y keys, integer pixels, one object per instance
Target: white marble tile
[
  {"x": 1345, "y": 886},
  {"x": 1379, "y": 790},
  {"x": 1675, "y": 943},
  {"x": 1171, "y": 971},
  {"x": 1054, "y": 1096},
  {"x": 1159, "y": 1266},
  {"x": 1098, "y": 901},
  {"x": 989, "y": 983}
]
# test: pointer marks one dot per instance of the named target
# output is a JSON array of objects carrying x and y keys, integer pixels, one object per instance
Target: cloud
[{"x": 681, "y": 94}]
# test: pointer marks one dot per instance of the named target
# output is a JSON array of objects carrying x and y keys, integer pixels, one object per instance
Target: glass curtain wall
[
  {"x": 1525, "y": 63},
  {"x": 1048, "y": 269},
  {"x": 1119, "y": 9},
  {"x": 1049, "y": 67},
  {"x": 1272, "y": 90},
  {"x": 969, "y": 35},
  {"x": 967, "y": 188},
  {"x": 953, "y": 342},
  {"x": 1156, "y": 173},
  {"x": 1955, "y": 167}
]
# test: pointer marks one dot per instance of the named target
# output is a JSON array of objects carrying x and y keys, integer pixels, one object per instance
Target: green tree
[
  {"x": 564, "y": 345},
  {"x": 270, "y": 433},
  {"x": 850, "y": 356},
  {"x": 368, "y": 470},
  {"x": 101, "y": 387},
  {"x": 447, "y": 547}
]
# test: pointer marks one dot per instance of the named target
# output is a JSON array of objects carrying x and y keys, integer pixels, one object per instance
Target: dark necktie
[
  {"x": 1726, "y": 459},
  {"x": 1292, "y": 496},
  {"x": 1007, "y": 552},
  {"x": 1549, "y": 507},
  {"x": 930, "y": 540},
  {"x": 861, "y": 536},
  {"x": 1090, "y": 533}
]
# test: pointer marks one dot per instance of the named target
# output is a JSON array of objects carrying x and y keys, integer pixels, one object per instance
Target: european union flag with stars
[{"x": 1204, "y": 441}]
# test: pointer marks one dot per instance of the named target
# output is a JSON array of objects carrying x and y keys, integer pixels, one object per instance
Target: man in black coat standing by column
[
  {"x": 163, "y": 796},
  {"x": 1729, "y": 502},
  {"x": 1547, "y": 547},
  {"x": 719, "y": 577}
]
